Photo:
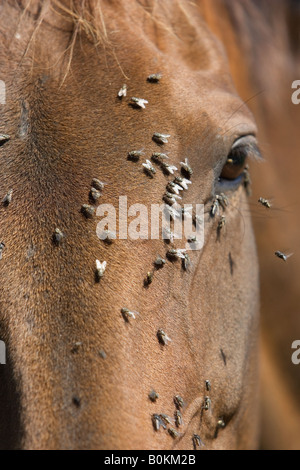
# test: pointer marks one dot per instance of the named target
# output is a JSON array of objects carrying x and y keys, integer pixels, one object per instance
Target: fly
[
  {"x": 174, "y": 188},
  {"x": 283, "y": 256},
  {"x": 139, "y": 103},
  {"x": 158, "y": 157},
  {"x": 100, "y": 269},
  {"x": 135, "y": 155},
  {"x": 186, "y": 168},
  {"x": 2, "y": 246},
  {"x": 4, "y": 138},
  {"x": 264, "y": 202},
  {"x": 163, "y": 338},
  {"x": 122, "y": 92},
  {"x": 149, "y": 169},
  {"x": 127, "y": 314},
  {"x": 7, "y": 198},
  {"x": 168, "y": 169},
  {"x": 154, "y": 77},
  {"x": 160, "y": 138},
  {"x": 183, "y": 182}
]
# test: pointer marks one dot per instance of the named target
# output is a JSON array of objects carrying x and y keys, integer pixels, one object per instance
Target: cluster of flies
[
  {"x": 171, "y": 425},
  {"x": 171, "y": 198},
  {"x": 8, "y": 197},
  {"x": 88, "y": 210}
]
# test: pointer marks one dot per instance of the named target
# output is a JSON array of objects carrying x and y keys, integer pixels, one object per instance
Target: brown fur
[{"x": 67, "y": 127}]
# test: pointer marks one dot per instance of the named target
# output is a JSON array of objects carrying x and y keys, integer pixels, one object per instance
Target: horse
[{"x": 139, "y": 351}]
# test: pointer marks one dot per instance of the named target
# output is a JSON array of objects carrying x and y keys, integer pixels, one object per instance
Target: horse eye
[{"x": 243, "y": 148}]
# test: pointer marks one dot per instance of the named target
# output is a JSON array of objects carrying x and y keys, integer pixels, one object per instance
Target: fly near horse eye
[
  {"x": 208, "y": 385},
  {"x": 283, "y": 256},
  {"x": 214, "y": 208},
  {"x": 264, "y": 202},
  {"x": 222, "y": 223},
  {"x": 223, "y": 200},
  {"x": 197, "y": 442},
  {"x": 207, "y": 404},
  {"x": 247, "y": 180},
  {"x": 221, "y": 423}
]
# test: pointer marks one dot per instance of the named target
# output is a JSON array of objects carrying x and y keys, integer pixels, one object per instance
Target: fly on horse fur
[
  {"x": 4, "y": 138},
  {"x": 57, "y": 236},
  {"x": 138, "y": 102},
  {"x": 123, "y": 91},
  {"x": 160, "y": 138},
  {"x": 2, "y": 246},
  {"x": 135, "y": 155},
  {"x": 7, "y": 198},
  {"x": 154, "y": 77},
  {"x": 65, "y": 121}
]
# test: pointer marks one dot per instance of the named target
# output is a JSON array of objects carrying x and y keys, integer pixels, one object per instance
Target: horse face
[{"x": 80, "y": 372}]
